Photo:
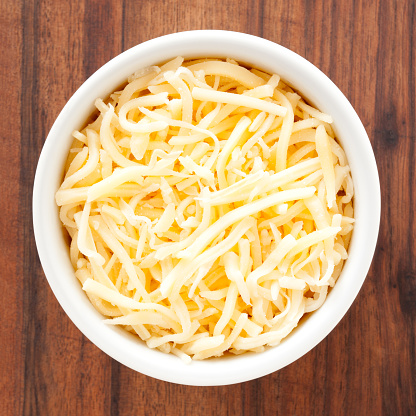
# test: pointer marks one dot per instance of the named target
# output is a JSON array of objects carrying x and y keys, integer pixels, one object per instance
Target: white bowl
[{"x": 53, "y": 249}]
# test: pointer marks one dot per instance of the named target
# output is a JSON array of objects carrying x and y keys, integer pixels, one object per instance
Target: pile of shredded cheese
[{"x": 209, "y": 208}]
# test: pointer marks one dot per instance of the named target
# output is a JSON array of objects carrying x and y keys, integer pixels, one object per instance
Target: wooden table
[{"x": 366, "y": 366}]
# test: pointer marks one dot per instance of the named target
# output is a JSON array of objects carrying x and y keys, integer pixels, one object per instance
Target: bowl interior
[{"x": 53, "y": 249}]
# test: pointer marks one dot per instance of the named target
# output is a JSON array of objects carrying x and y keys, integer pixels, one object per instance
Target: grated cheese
[{"x": 209, "y": 208}]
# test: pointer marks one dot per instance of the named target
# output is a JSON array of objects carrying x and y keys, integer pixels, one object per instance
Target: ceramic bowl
[{"x": 318, "y": 89}]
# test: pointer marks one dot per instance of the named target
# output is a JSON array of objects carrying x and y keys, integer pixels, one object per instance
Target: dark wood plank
[
  {"x": 11, "y": 324},
  {"x": 64, "y": 373},
  {"x": 367, "y": 364},
  {"x": 394, "y": 266}
]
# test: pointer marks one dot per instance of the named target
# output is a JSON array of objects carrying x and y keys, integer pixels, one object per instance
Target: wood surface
[{"x": 366, "y": 366}]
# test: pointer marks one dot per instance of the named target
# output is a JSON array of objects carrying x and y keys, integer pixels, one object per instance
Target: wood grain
[
  {"x": 11, "y": 326},
  {"x": 366, "y": 366}
]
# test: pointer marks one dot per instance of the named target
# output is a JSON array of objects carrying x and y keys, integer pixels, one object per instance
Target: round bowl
[{"x": 53, "y": 249}]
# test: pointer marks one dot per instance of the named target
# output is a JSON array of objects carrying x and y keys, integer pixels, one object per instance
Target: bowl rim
[{"x": 124, "y": 347}]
